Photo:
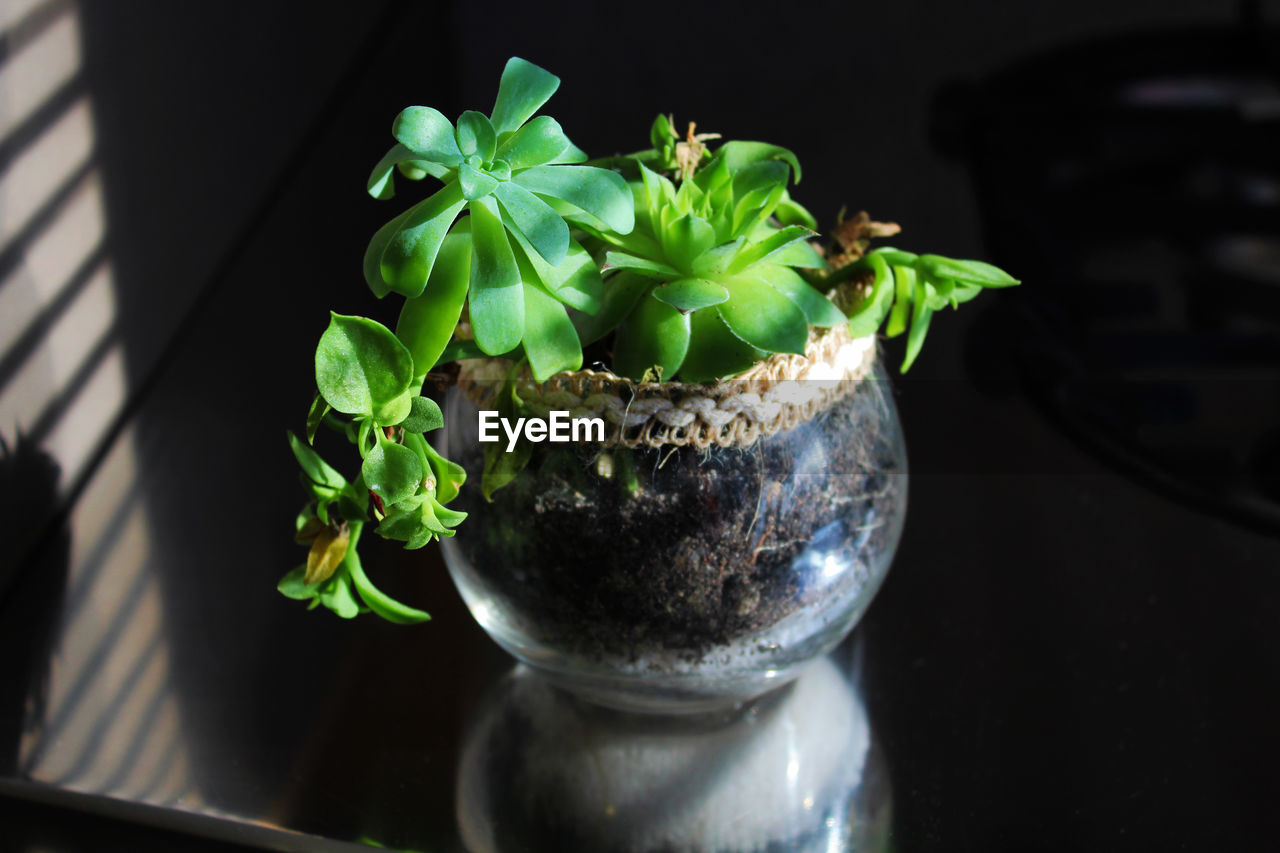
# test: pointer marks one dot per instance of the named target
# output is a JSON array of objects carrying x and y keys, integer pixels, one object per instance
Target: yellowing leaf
[{"x": 327, "y": 551}]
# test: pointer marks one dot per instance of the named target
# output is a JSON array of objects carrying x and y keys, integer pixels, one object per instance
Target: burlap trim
[{"x": 775, "y": 395}]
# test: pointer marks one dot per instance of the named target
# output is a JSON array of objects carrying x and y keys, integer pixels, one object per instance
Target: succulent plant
[
  {"x": 512, "y": 259},
  {"x": 675, "y": 262}
]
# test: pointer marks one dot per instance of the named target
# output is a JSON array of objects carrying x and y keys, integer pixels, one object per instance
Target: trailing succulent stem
[{"x": 681, "y": 261}]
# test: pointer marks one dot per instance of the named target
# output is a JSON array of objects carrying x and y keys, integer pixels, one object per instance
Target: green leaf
[
  {"x": 571, "y": 155},
  {"x": 714, "y": 262},
  {"x": 790, "y": 212},
  {"x": 425, "y": 415},
  {"x": 690, "y": 294},
  {"x": 465, "y": 348},
  {"x": 687, "y": 238},
  {"x": 294, "y": 585},
  {"x": 449, "y": 475},
  {"x": 315, "y": 417},
  {"x": 335, "y": 594},
  {"x": 739, "y": 154},
  {"x": 427, "y": 322},
  {"x": 497, "y": 299},
  {"x": 620, "y": 294},
  {"x": 771, "y": 245},
  {"x": 973, "y": 272},
  {"x": 599, "y": 192},
  {"x": 920, "y": 315},
  {"x": 475, "y": 183},
  {"x": 714, "y": 351},
  {"x": 640, "y": 266},
  {"x": 393, "y": 411},
  {"x": 869, "y": 315},
  {"x": 904, "y": 283},
  {"x": 760, "y": 179},
  {"x": 406, "y": 261},
  {"x": 428, "y": 134},
  {"x": 550, "y": 341},
  {"x": 763, "y": 317},
  {"x": 360, "y": 365},
  {"x": 373, "y": 254},
  {"x": 501, "y": 466},
  {"x": 412, "y": 522},
  {"x": 541, "y": 226},
  {"x": 654, "y": 335},
  {"x": 524, "y": 89},
  {"x": 392, "y": 471},
  {"x": 476, "y": 136},
  {"x": 380, "y": 184},
  {"x": 379, "y": 602},
  {"x": 540, "y": 141},
  {"x": 818, "y": 309}
]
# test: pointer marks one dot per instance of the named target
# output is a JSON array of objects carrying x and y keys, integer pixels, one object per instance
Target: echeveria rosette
[
  {"x": 513, "y": 258},
  {"x": 706, "y": 284}
]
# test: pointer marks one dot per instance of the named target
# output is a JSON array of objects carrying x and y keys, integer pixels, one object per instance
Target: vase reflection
[{"x": 798, "y": 771}]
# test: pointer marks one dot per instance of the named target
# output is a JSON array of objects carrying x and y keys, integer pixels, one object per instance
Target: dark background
[{"x": 1077, "y": 645}]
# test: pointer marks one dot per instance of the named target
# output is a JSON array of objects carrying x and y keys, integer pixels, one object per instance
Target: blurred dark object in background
[{"x": 1135, "y": 182}]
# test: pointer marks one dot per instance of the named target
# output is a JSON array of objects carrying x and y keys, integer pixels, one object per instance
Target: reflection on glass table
[{"x": 798, "y": 771}]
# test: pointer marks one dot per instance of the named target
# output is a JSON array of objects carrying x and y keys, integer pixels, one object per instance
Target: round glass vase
[{"x": 675, "y": 578}]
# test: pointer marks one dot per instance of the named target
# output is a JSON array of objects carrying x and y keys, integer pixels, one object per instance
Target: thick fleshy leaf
[
  {"x": 335, "y": 594},
  {"x": 524, "y": 89},
  {"x": 411, "y": 252},
  {"x": 497, "y": 299},
  {"x": 715, "y": 262},
  {"x": 315, "y": 417},
  {"x": 654, "y": 335},
  {"x": 687, "y": 238},
  {"x": 818, "y": 309},
  {"x": 690, "y": 294},
  {"x": 379, "y": 602},
  {"x": 791, "y": 212},
  {"x": 427, "y": 322},
  {"x": 380, "y": 184},
  {"x": 714, "y": 351},
  {"x": 475, "y": 183},
  {"x": 373, "y": 254},
  {"x": 653, "y": 192},
  {"x": 739, "y": 154},
  {"x": 360, "y": 365},
  {"x": 759, "y": 177},
  {"x": 316, "y": 469},
  {"x": 764, "y": 249},
  {"x": 427, "y": 133},
  {"x": 973, "y": 272},
  {"x": 392, "y": 471},
  {"x": 571, "y": 155},
  {"x": 476, "y": 136},
  {"x": 295, "y": 586},
  {"x": 800, "y": 254},
  {"x": 541, "y": 226},
  {"x": 763, "y": 317},
  {"x": 620, "y": 294},
  {"x": 575, "y": 281},
  {"x": 424, "y": 416},
  {"x": 599, "y": 192},
  {"x": 640, "y": 266},
  {"x": 540, "y": 141},
  {"x": 920, "y": 315},
  {"x": 867, "y": 317},
  {"x": 550, "y": 341},
  {"x": 449, "y": 475},
  {"x": 904, "y": 285}
]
